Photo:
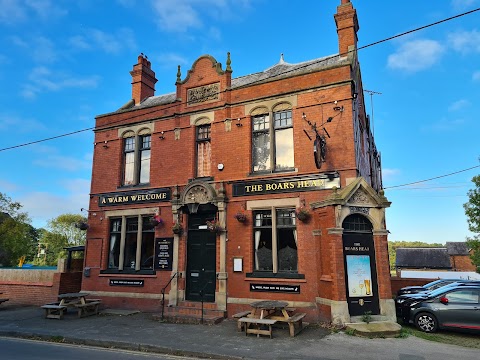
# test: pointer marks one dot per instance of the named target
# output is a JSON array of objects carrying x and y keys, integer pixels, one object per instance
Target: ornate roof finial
[
  {"x": 282, "y": 61},
  {"x": 229, "y": 62},
  {"x": 179, "y": 75}
]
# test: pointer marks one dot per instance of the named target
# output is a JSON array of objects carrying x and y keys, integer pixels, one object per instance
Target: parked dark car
[
  {"x": 427, "y": 287},
  {"x": 454, "y": 307},
  {"x": 402, "y": 301}
]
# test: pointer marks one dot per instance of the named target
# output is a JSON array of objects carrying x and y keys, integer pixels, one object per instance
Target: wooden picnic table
[
  {"x": 72, "y": 299},
  {"x": 265, "y": 313},
  {"x": 84, "y": 306}
]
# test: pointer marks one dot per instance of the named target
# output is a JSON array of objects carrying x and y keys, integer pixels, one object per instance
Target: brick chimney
[
  {"x": 143, "y": 80},
  {"x": 347, "y": 26}
]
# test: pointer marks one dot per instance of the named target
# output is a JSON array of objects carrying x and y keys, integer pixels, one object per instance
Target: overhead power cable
[
  {"x": 257, "y": 81},
  {"x": 436, "y": 177}
]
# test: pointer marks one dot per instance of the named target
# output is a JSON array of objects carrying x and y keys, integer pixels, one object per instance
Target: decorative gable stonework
[
  {"x": 203, "y": 94},
  {"x": 357, "y": 198}
]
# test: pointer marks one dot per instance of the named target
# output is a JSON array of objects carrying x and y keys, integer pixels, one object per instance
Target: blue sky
[{"x": 64, "y": 62}]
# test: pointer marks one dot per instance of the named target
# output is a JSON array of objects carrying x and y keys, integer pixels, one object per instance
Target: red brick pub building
[{"x": 232, "y": 190}]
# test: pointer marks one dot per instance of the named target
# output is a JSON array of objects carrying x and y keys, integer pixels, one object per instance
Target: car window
[{"x": 463, "y": 296}]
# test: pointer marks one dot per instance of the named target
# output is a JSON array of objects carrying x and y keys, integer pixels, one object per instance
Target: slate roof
[
  {"x": 457, "y": 248},
  {"x": 280, "y": 70},
  {"x": 423, "y": 258}
]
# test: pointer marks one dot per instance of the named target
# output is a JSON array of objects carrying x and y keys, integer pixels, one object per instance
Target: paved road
[{"x": 21, "y": 349}]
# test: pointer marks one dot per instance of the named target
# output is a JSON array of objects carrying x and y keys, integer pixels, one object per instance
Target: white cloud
[
  {"x": 443, "y": 125},
  {"x": 110, "y": 43},
  {"x": 389, "y": 174},
  {"x": 42, "y": 79},
  {"x": 476, "y": 76},
  {"x": 465, "y": 42},
  {"x": 460, "y": 5},
  {"x": 39, "y": 48},
  {"x": 44, "y": 206},
  {"x": 171, "y": 59},
  {"x": 7, "y": 186},
  {"x": 10, "y": 122},
  {"x": 12, "y": 12},
  {"x": 16, "y": 11},
  {"x": 416, "y": 55},
  {"x": 65, "y": 163},
  {"x": 45, "y": 9},
  {"x": 176, "y": 16},
  {"x": 458, "y": 105}
]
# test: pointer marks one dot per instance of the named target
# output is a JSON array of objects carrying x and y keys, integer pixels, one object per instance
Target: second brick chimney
[{"x": 143, "y": 80}]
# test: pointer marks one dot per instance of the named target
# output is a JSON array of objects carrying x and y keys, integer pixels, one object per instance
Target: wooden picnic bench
[
  {"x": 296, "y": 320},
  {"x": 54, "y": 311},
  {"x": 258, "y": 326},
  {"x": 89, "y": 308},
  {"x": 240, "y": 315}
]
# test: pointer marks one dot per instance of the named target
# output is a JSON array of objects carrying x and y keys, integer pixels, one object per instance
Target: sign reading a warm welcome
[
  {"x": 282, "y": 185},
  {"x": 135, "y": 197}
]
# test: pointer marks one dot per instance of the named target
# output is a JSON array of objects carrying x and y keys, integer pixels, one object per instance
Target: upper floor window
[
  {"x": 136, "y": 150},
  {"x": 204, "y": 150},
  {"x": 272, "y": 142}
]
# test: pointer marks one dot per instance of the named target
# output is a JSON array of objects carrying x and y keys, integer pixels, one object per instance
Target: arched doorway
[{"x": 360, "y": 266}]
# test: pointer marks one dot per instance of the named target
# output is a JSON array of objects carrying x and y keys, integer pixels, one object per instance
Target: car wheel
[{"x": 426, "y": 322}]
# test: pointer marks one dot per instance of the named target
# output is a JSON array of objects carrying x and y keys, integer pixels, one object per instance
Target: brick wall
[
  {"x": 462, "y": 263},
  {"x": 36, "y": 287}
]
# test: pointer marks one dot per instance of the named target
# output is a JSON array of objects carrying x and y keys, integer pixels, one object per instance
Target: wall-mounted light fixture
[
  {"x": 338, "y": 108},
  {"x": 162, "y": 137},
  {"x": 105, "y": 144},
  {"x": 239, "y": 124}
]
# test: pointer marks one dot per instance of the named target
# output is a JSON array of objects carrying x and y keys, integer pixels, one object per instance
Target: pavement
[{"x": 138, "y": 331}]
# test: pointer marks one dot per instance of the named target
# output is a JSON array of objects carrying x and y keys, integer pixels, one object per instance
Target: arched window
[
  {"x": 272, "y": 139},
  {"x": 357, "y": 223},
  {"x": 136, "y": 157}
]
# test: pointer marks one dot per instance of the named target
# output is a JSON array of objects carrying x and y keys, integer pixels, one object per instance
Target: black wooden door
[
  {"x": 360, "y": 267},
  {"x": 201, "y": 259}
]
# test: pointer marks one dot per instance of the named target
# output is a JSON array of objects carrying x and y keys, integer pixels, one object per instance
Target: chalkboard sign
[{"x": 163, "y": 253}]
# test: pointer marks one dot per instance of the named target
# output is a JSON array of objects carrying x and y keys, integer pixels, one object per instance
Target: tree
[
  {"x": 65, "y": 225},
  {"x": 17, "y": 237},
  {"x": 472, "y": 210},
  {"x": 61, "y": 233}
]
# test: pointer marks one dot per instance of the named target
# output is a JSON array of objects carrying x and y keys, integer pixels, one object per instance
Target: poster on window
[{"x": 359, "y": 276}]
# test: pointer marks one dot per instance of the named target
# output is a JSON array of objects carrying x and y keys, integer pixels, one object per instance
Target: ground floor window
[
  {"x": 131, "y": 244},
  {"x": 275, "y": 240}
]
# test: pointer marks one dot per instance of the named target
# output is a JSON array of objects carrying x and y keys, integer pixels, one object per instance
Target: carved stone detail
[
  {"x": 359, "y": 209},
  {"x": 197, "y": 194},
  {"x": 203, "y": 94},
  {"x": 359, "y": 197}
]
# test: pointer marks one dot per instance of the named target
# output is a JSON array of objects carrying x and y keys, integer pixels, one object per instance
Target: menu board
[{"x": 163, "y": 253}]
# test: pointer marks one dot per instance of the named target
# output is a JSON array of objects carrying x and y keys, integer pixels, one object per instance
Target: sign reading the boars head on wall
[
  {"x": 282, "y": 185},
  {"x": 135, "y": 197}
]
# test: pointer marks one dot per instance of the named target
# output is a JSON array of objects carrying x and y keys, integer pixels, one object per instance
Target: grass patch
[{"x": 469, "y": 340}]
